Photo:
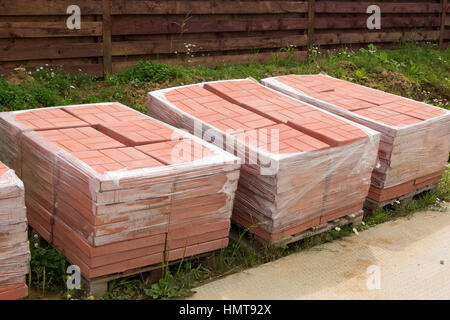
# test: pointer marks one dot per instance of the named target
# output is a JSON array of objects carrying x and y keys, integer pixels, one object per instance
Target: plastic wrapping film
[
  {"x": 122, "y": 189},
  {"x": 14, "y": 246},
  {"x": 285, "y": 191},
  {"x": 415, "y": 139}
]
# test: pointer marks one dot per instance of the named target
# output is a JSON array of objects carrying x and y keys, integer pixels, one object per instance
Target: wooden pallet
[
  {"x": 370, "y": 204},
  {"x": 99, "y": 286},
  {"x": 246, "y": 240}
]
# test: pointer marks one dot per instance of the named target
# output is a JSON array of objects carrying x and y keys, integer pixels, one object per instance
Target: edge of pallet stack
[
  {"x": 99, "y": 203},
  {"x": 16, "y": 263}
]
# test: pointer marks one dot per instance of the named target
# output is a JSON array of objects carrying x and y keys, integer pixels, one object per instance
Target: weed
[
  {"x": 360, "y": 75},
  {"x": 47, "y": 267},
  {"x": 144, "y": 71},
  {"x": 126, "y": 289}
]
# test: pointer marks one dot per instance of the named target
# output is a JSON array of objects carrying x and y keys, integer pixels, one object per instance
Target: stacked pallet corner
[
  {"x": 117, "y": 190},
  {"x": 301, "y": 166}
]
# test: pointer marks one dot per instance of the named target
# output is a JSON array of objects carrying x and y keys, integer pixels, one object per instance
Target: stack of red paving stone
[
  {"x": 415, "y": 140},
  {"x": 14, "y": 247},
  {"x": 301, "y": 166},
  {"x": 117, "y": 190}
]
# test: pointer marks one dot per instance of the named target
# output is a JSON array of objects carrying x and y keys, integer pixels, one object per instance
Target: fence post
[
  {"x": 106, "y": 22},
  {"x": 443, "y": 18},
  {"x": 311, "y": 12}
]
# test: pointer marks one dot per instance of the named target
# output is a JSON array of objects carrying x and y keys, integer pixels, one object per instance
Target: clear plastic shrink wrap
[
  {"x": 14, "y": 247},
  {"x": 301, "y": 166},
  {"x": 415, "y": 139},
  {"x": 117, "y": 190}
]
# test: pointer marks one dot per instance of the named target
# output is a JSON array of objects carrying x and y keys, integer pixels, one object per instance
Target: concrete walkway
[{"x": 409, "y": 257}]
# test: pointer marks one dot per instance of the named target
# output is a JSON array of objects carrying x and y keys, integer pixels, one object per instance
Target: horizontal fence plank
[
  {"x": 47, "y": 7},
  {"x": 180, "y": 46},
  {"x": 386, "y": 22},
  {"x": 47, "y": 29},
  {"x": 349, "y": 38},
  {"x": 50, "y": 51},
  {"x": 227, "y": 30},
  {"x": 206, "y": 7},
  {"x": 201, "y": 24},
  {"x": 385, "y": 7}
]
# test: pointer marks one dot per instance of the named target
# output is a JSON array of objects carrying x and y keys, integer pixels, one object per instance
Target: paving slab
[{"x": 410, "y": 255}]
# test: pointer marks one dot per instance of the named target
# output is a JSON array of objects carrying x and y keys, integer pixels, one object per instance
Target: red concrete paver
[
  {"x": 139, "y": 132},
  {"x": 280, "y": 139},
  {"x": 116, "y": 159},
  {"x": 80, "y": 139},
  {"x": 44, "y": 119},
  {"x": 216, "y": 111},
  {"x": 3, "y": 169},
  {"x": 173, "y": 152},
  {"x": 328, "y": 128},
  {"x": 380, "y": 106},
  {"x": 99, "y": 114}
]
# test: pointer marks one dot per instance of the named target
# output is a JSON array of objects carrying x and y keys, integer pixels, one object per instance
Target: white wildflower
[{"x": 355, "y": 231}]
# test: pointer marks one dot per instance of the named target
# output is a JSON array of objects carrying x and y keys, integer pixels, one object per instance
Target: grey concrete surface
[{"x": 408, "y": 258}]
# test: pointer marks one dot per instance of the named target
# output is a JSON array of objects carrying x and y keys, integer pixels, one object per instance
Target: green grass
[
  {"x": 416, "y": 71},
  {"x": 420, "y": 72}
]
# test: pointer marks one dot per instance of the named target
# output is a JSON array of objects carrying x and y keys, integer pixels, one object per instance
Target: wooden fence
[{"x": 116, "y": 34}]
